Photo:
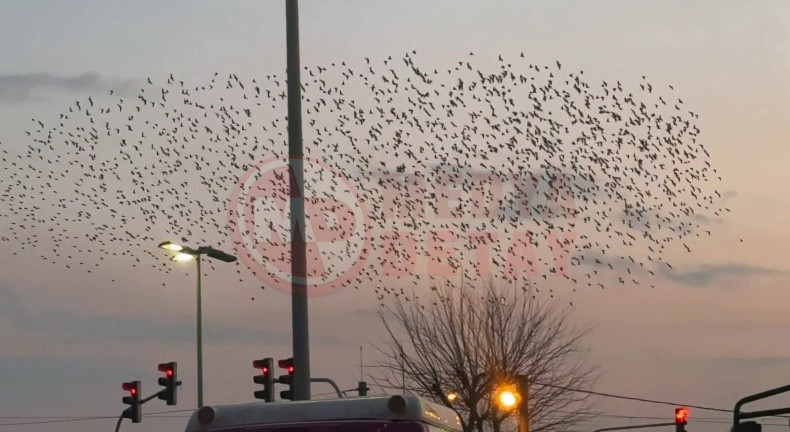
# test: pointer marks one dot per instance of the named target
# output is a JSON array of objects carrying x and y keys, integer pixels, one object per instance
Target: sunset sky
[{"x": 712, "y": 330}]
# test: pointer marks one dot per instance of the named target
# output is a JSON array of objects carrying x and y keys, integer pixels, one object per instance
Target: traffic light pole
[
  {"x": 739, "y": 415},
  {"x": 301, "y": 339},
  {"x": 118, "y": 424},
  {"x": 142, "y": 401},
  {"x": 330, "y": 382}
]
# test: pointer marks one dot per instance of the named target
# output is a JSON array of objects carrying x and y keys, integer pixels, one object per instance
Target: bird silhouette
[{"x": 545, "y": 163}]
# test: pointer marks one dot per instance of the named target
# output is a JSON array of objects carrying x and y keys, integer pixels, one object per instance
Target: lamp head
[
  {"x": 171, "y": 246},
  {"x": 183, "y": 257}
]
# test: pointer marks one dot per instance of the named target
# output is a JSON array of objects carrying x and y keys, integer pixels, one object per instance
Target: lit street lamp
[
  {"x": 515, "y": 398},
  {"x": 186, "y": 254},
  {"x": 507, "y": 398}
]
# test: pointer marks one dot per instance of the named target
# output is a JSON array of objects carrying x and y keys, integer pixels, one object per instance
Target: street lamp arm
[
  {"x": 190, "y": 251},
  {"x": 216, "y": 254}
]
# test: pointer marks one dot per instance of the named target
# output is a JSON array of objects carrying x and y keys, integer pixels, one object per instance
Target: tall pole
[
  {"x": 199, "y": 338},
  {"x": 301, "y": 336},
  {"x": 523, "y": 409}
]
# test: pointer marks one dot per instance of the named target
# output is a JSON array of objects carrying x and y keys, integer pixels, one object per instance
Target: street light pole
[
  {"x": 184, "y": 254},
  {"x": 199, "y": 337},
  {"x": 523, "y": 409}
]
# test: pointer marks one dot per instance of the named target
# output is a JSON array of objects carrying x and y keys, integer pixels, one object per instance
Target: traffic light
[
  {"x": 170, "y": 382},
  {"x": 266, "y": 378},
  {"x": 288, "y": 365},
  {"x": 134, "y": 412},
  {"x": 362, "y": 388},
  {"x": 681, "y": 417}
]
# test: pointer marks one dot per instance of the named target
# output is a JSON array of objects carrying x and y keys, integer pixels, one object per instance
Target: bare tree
[{"x": 470, "y": 341}]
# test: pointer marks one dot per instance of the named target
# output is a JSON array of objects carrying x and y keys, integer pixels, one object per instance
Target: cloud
[
  {"x": 757, "y": 362},
  {"x": 706, "y": 219},
  {"x": 68, "y": 325},
  {"x": 707, "y": 274},
  {"x": 35, "y": 86}
]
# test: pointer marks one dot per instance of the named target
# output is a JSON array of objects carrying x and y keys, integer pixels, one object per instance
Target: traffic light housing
[
  {"x": 135, "y": 410},
  {"x": 170, "y": 382},
  {"x": 266, "y": 378},
  {"x": 288, "y": 365},
  {"x": 681, "y": 419},
  {"x": 362, "y": 388}
]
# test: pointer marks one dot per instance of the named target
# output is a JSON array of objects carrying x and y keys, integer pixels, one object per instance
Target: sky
[{"x": 708, "y": 333}]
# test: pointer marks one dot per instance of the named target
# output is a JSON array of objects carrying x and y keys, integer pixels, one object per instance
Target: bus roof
[{"x": 405, "y": 407}]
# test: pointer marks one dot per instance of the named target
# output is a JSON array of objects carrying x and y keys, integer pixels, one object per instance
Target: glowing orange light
[{"x": 681, "y": 414}]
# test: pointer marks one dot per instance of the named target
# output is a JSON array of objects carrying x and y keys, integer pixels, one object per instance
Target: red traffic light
[
  {"x": 681, "y": 415},
  {"x": 167, "y": 368},
  {"x": 287, "y": 364},
  {"x": 263, "y": 365},
  {"x": 130, "y": 387},
  {"x": 134, "y": 411},
  {"x": 169, "y": 382}
]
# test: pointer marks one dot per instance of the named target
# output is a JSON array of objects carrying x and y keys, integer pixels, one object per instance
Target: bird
[{"x": 604, "y": 174}]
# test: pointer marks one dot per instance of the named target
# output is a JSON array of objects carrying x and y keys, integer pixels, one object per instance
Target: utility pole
[
  {"x": 523, "y": 408},
  {"x": 301, "y": 335}
]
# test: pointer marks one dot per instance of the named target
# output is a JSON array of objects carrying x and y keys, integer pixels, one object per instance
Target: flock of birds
[{"x": 619, "y": 170}]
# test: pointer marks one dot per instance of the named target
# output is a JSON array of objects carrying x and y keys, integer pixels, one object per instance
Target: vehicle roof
[{"x": 361, "y": 408}]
